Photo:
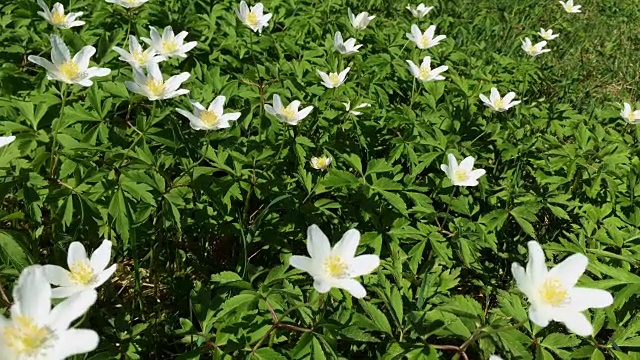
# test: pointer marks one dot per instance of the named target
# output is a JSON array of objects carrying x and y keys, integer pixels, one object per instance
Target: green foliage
[{"x": 203, "y": 223}]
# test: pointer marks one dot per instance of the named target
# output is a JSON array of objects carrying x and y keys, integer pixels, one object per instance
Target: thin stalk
[{"x": 54, "y": 157}]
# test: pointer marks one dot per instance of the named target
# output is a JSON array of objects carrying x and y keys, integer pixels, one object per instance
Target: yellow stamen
[
  {"x": 499, "y": 104},
  {"x": 169, "y": 46},
  {"x": 461, "y": 175},
  {"x": 81, "y": 272},
  {"x": 425, "y": 41},
  {"x": 69, "y": 69},
  {"x": 424, "y": 73},
  {"x": 139, "y": 57},
  {"x": 25, "y": 337},
  {"x": 252, "y": 18},
  {"x": 321, "y": 163},
  {"x": 335, "y": 267},
  {"x": 58, "y": 18},
  {"x": 553, "y": 293},
  {"x": 289, "y": 113},
  {"x": 209, "y": 117},
  {"x": 334, "y": 79},
  {"x": 155, "y": 87}
]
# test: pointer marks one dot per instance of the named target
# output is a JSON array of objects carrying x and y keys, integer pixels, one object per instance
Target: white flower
[
  {"x": 547, "y": 34},
  {"x": 424, "y": 72},
  {"x": 333, "y": 80},
  {"x": 337, "y": 267},
  {"x": 153, "y": 86},
  {"x": 169, "y": 45},
  {"x": 424, "y": 40},
  {"x": 6, "y": 140},
  {"x": 57, "y": 18},
  {"x": 84, "y": 273},
  {"x": 136, "y": 57},
  {"x": 129, "y": 4},
  {"x": 463, "y": 174},
  {"x": 534, "y": 50},
  {"x": 353, "y": 111},
  {"x": 360, "y": 21},
  {"x": 419, "y": 11},
  {"x": 37, "y": 332},
  {"x": 632, "y": 117},
  {"x": 553, "y": 293},
  {"x": 345, "y": 47},
  {"x": 495, "y": 357},
  {"x": 253, "y": 18},
  {"x": 74, "y": 70},
  {"x": 289, "y": 114},
  {"x": 212, "y": 118},
  {"x": 321, "y": 163},
  {"x": 497, "y": 103},
  {"x": 569, "y": 7}
]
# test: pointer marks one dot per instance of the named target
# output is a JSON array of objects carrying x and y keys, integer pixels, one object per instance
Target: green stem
[{"x": 54, "y": 157}]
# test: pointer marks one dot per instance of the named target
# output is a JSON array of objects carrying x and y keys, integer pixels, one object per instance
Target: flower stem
[{"x": 54, "y": 156}]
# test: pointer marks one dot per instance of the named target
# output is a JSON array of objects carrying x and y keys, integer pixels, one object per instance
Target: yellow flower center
[
  {"x": 139, "y": 57},
  {"x": 69, "y": 69},
  {"x": 499, "y": 103},
  {"x": 252, "y": 18},
  {"x": 425, "y": 41},
  {"x": 334, "y": 79},
  {"x": 58, "y": 18},
  {"x": 289, "y": 113},
  {"x": 81, "y": 272},
  {"x": 209, "y": 117},
  {"x": 424, "y": 73},
  {"x": 532, "y": 49},
  {"x": 25, "y": 337},
  {"x": 155, "y": 87},
  {"x": 321, "y": 163},
  {"x": 335, "y": 267},
  {"x": 169, "y": 46},
  {"x": 553, "y": 293},
  {"x": 461, "y": 175}
]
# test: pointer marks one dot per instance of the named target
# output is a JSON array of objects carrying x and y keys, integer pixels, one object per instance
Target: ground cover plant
[{"x": 311, "y": 179}]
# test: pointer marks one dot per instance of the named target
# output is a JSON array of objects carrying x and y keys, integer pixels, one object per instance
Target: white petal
[
  {"x": 57, "y": 275},
  {"x": 304, "y": 113},
  {"x": 6, "y": 140},
  {"x": 536, "y": 267},
  {"x": 101, "y": 256},
  {"x": 576, "y": 322},
  {"x": 70, "y": 309},
  {"x": 570, "y": 270},
  {"x": 353, "y": 287},
  {"x": 318, "y": 244},
  {"x": 59, "y": 51},
  {"x": 217, "y": 105},
  {"x": 83, "y": 56},
  {"x": 539, "y": 316},
  {"x": 585, "y": 298},
  {"x": 322, "y": 285},
  {"x": 467, "y": 164},
  {"x": 363, "y": 265},
  {"x": 277, "y": 104},
  {"x": 76, "y": 253},
  {"x": 32, "y": 293},
  {"x": 75, "y": 341},
  {"x": 302, "y": 263},
  {"x": 104, "y": 276},
  {"x": 346, "y": 247},
  {"x": 64, "y": 292}
]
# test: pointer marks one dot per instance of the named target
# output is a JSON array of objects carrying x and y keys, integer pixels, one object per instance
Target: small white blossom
[
  {"x": 424, "y": 40},
  {"x": 153, "y": 86},
  {"x": 553, "y": 294},
  {"x": 534, "y": 50},
  {"x": 289, "y": 114},
  {"x": 424, "y": 72},
  {"x": 254, "y": 17},
  {"x": 333, "y": 80},
  {"x": 360, "y": 21},
  {"x": 463, "y": 174},
  {"x": 354, "y": 111},
  {"x": 547, "y": 34},
  {"x": 211, "y": 118},
  {"x": 498, "y": 103},
  {"x": 63, "y": 67},
  {"x": 321, "y": 163},
  {"x": 137, "y": 57},
  {"x": 345, "y": 47},
  {"x": 168, "y": 44},
  {"x": 419, "y": 11},
  {"x": 338, "y": 266},
  {"x": 569, "y": 7},
  {"x": 129, "y": 4},
  {"x": 6, "y": 140},
  {"x": 57, "y": 18},
  {"x": 84, "y": 273},
  {"x": 631, "y": 116}
]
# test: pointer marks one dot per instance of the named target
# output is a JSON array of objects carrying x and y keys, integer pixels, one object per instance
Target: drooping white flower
[
  {"x": 463, "y": 174},
  {"x": 6, "y": 140},
  {"x": 534, "y": 50},
  {"x": 289, "y": 114},
  {"x": 153, "y": 86},
  {"x": 57, "y": 18},
  {"x": 547, "y": 34},
  {"x": 360, "y": 21},
  {"x": 254, "y": 17},
  {"x": 631, "y": 116},
  {"x": 337, "y": 267},
  {"x": 498, "y": 103},
  {"x": 569, "y": 7},
  {"x": 345, "y": 47},
  {"x": 84, "y": 273},
  {"x": 419, "y": 11},
  {"x": 333, "y": 80},
  {"x": 129, "y": 4},
  {"x": 424, "y": 72},
  {"x": 211, "y": 118},
  {"x": 74, "y": 70},
  {"x": 321, "y": 163},
  {"x": 553, "y": 294},
  {"x": 37, "y": 332},
  {"x": 168, "y": 44},
  {"x": 137, "y": 57},
  {"x": 354, "y": 111},
  {"x": 424, "y": 40}
]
